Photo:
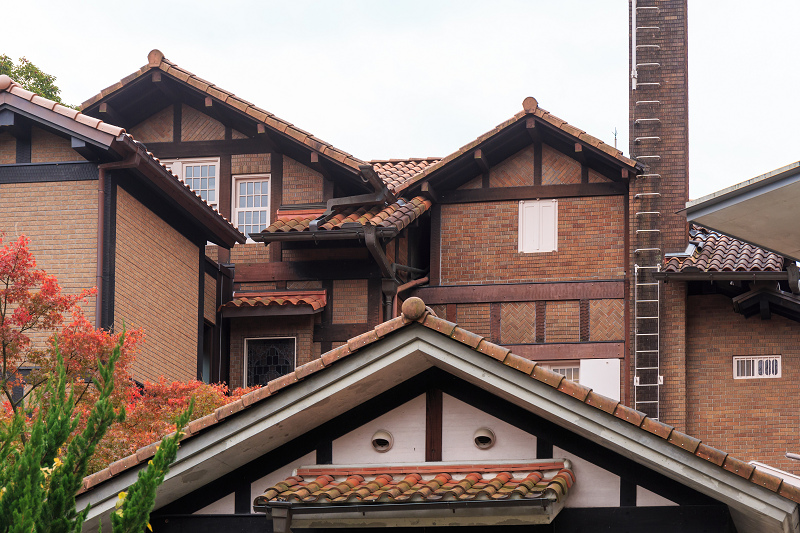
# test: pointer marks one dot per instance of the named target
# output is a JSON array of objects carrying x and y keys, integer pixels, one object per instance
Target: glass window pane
[
  {"x": 249, "y": 187},
  {"x": 248, "y": 217},
  {"x": 212, "y": 183},
  {"x": 212, "y": 171},
  {"x": 257, "y": 188},
  {"x": 212, "y": 195},
  {"x": 187, "y": 172},
  {"x": 204, "y": 171},
  {"x": 263, "y": 217},
  {"x": 203, "y": 194},
  {"x": 204, "y": 183},
  {"x": 242, "y": 188}
]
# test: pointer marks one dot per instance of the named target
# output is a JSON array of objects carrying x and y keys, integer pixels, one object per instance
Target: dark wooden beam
[
  {"x": 6, "y": 117},
  {"x": 85, "y": 151},
  {"x": 306, "y": 270},
  {"x": 480, "y": 159},
  {"x": 568, "y": 351},
  {"x": 253, "y": 145},
  {"x": 433, "y": 425},
  {"x": 111, "y": 115},
  {"x": 260, "y": 310},
  {"x": 317, "y": 163},
  {"x": 521, "y": 292},
  {"x": 428, "y": 190},
  {"x": 532, "y": 192},
  {"x": 164, "y": 87},
  {"x": 208, "y": 101}
]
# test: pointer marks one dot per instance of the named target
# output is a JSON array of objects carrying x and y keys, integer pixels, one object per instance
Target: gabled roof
[
  {"x": 404, "y": 346},
  {"x": 118, "y": 144},
  {"x": 396, "y": 172},
  {"x": 710, "y": 251},
  {"x": 157, "y": 61},
  {"x": 284, "y": 302}
]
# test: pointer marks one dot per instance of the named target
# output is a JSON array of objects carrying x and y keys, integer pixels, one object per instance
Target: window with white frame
[
  {"x": 538, "y": 226},
  {"x": 757, "y": 367},
  {"x": 569, "y": 369},
  {"x": 201, "y": 175},
  {"x": 251, "y": 203},
  {"x": 269, "y": 358}
]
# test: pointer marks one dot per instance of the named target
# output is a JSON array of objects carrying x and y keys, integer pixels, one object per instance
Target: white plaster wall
[
  {"x": 407, "y": 426},
  {"x": 602, "y": 376},
  {"x": 258, "y": 487},
  {"x": 645, "y": 498},
  {"x": 593, "y": 487},
  {"x": 226, "y": 505},
  {"x": 459, "y": 423}
]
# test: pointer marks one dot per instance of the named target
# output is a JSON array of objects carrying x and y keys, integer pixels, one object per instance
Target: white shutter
[
  {"x": 538, "y": 226},
  {"x": 548, "y": 227}
]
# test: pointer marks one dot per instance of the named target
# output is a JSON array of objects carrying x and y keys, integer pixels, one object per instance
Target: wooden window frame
[
  {"x": 235, "y": 197},
  {"x": 176, "y": 166}
]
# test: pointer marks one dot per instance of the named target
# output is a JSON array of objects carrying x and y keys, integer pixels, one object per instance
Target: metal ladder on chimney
[{"x": 647, "y": 379}]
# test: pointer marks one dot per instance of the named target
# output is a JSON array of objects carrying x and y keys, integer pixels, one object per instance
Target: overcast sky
[{"x": 383, "y": 79}]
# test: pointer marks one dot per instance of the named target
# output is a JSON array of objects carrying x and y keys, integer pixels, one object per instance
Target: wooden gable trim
[{"x": 531, "y": 192}]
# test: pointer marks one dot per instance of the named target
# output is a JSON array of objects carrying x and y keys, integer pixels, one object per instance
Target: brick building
[{"x": 91, "y": 199}]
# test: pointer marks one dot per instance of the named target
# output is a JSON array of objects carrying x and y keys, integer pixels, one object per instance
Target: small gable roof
[
  {"x": 711, "y": 251},
  {"x": 407, "y": 345}
]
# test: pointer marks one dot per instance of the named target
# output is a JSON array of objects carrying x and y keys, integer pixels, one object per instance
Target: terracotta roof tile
[
  {"x": 395, "y": 172},
  {"x": 415, "y": 311},
  {"x": 397, "y": 215},
  {"x": 316, "y": 299},
  {"x": 717, "y": 252},
  {"x": 448, "y": 483},
  {"x": 156, "y": 60}
]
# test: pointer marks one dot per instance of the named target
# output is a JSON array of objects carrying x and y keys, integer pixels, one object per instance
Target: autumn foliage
[{"x": 34, "y": 312}]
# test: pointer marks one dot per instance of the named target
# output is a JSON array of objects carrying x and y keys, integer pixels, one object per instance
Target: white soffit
[{"x": 762, "y": 211}]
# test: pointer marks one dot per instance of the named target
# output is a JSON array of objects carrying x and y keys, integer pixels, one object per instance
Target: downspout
[
  {"x": 131, "y": 162},
  {"x": 405, "y": 287}
]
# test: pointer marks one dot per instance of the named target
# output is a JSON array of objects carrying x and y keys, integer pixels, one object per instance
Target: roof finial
[
  {"x": 530, "y": 104},
  {"x": 5, "y": 82},
  {"x": 413, "y": 308},
  {"x": 154, "y": 58}
]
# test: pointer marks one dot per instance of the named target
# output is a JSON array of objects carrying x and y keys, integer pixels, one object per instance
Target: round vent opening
[
  {"x": 382, "y": 441},
  {"x": 484, "y": 438}
]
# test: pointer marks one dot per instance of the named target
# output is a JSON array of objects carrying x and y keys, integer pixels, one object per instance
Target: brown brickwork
[
  {"x": 301, "y": 185},
  {"x": 475, "y": 183},
  {"x": 197, "y": 126},
  {"x": 558, "y": 168},
  {"x": 349, "y": 301},
  {"x": 479, "y": 243},
  {"x": 63, "y": 232},
  {"x": 47, "y": 147},
  {"x": 515, "y": 171},
  {"x": 210, "y": 298},
  {"x": 606, "y": 320},
  {"x": 673, "y": 354},
  {"x": 159, "y": 295},
  {"x": 752, "y": 419},
  {"x": 518, "y": 323},
  {"x": 263, "y": 286},
  {"x": 303, "y": 285},
  {"x": 250, "y": 164},
  {"x": 299, "y": 327},
  {"x": 596, "y": 177},
  {"x": 8, "y": 149},
  {"x": 324, "y": 254},
  {"x": 562, "y": 322},
  {"x": 212, "y": 252},
  {"x": 474, "y": 318},
  {"x": 251, "y": 252},
  {"x": 155, "y": 129},
  {"x": 236, "y": 134},
  {"x": 440, "y": 310}
]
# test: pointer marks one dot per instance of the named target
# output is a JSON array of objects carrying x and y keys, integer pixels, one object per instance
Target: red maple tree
[{"x": 33, "y": 314}]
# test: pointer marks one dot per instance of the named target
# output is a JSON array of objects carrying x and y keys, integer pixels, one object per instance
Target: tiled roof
[
  {"x": 9, "y": 85},
  {"x": 316, "y": 299},
  {"x": 530, "y": 107},
  {"x": 397, "y": 215},
  {"x": 395, "y": 172},
  {"x": 415, "y": 312},
  {"x": 156, "y": 60},
  {"x": 716, "y": 252},
  {"x": 476, "y": 482}
]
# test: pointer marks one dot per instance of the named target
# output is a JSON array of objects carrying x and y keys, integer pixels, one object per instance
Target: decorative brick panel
[
  {"x": 251, "y": 252},
  {"x": 562, "y": 322},
  {"x": 250, "y": 164},
  {"x": 596, "y": 177},
  {"x": 263, "y": 286},
  {"x": 210, "y": 298},
  {"x": 752, "y": 419},
  {"x": 155, "y": 129},
  {"x": 474, "y": 318},
  {"x": 606, "y": 320},
  {"x": 47, "y": 147},
  {"x": 518, "y": 323},
  {"x": 440, "y": 310},
  {"x": 558, "y": 168},
  {"x": 349, "y": 301},
  {"x": 299, "y": 327},
  {"x": 197, "y": 126},
  {"x": 515, "y": 171},
  {"x": 236, "y": 134},
  {"x": 160, "y": 295},
  {"x": 303, "y": 285},
  {"x": 479, "y": 243},
  {"x": 62, "y": 233},
  {"x": 301, "y": 185},
  {"x": 8, "y": 149}
]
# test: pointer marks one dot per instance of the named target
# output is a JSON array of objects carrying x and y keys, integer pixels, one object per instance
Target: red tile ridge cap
[{"x": 414, "y": 310}]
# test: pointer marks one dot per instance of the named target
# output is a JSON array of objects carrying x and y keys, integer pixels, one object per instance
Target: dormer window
[{"x": 201, "y": 175}]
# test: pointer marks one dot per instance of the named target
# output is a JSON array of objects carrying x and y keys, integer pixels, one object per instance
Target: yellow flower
[{"x": 120, "y": 501}]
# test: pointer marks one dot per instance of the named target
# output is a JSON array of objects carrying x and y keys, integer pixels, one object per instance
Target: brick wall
[
  {"x": 197, "y": 126},
  {"x": 301, "y": 185},
  {"x": 479, "y": 243},
  {"x": 156, "y": 128},
  {"x": 349, "y": 301},
  {"x": 250, "y": 164},
  {"x": 474, "y": 318},
  {"x": 212, "y": 252},
  {"x": 558, "y": 168},
  {"x": 300, "y": 327},
  {"x": 303, "y": 285},
  {"x": 252, "y": 252},
  {"x": 210, "y": 298},
  {"x": 325, "y": 254},
  {"x": 157, "y": 292},
  {"x": 47, "y": 147},
  {"x": 515, "y": 171},
  {"x": 62, "y": 229},
  {"x": 752, "y": 419},
  {"x": 8, "y": 149},
  {"x": 518, "y": 323},
  {"x": 256, "y": 287},
  {"x": 674, "y": 337},
  {"x": 606, "y": 320},
  {"x": 562, "y": 321}
]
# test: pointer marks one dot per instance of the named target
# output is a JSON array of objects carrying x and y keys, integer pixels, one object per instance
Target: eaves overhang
[
  {"x": 762, "y": 211},
  {"x": 351, "y": 233},
  {"x": 402, "y": 355}
]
